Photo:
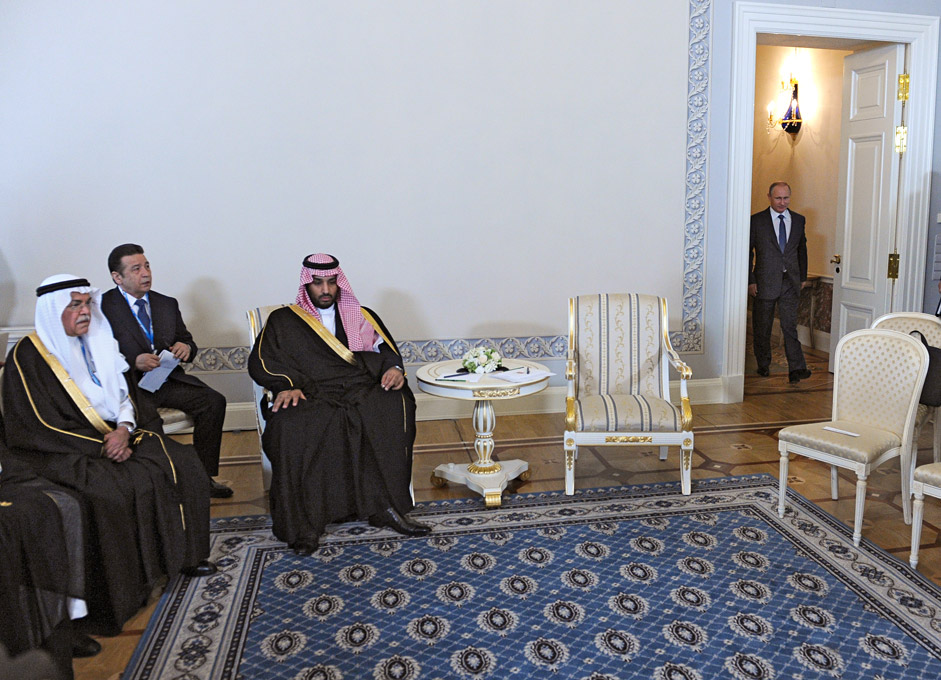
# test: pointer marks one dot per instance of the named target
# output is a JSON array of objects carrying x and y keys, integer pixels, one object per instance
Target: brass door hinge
[
  {"x": 893, "y": 272},
  {"x": 903, "y": 87},
  {"x": 901, "y": 139}
]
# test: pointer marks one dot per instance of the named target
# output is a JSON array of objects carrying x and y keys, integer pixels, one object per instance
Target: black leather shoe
[
  {"x": 305, "y": 546},
  {"x": 84, "y": 646},
  {"x": 763, "y": 372},
  {"x": 204, "y": 568},
  {"x": 797, "y": 376},
  {"x": 217, "y": 490},
  {"x": 391, "y": 519}
]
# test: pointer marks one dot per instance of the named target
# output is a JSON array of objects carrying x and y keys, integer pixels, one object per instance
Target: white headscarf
[{"x": 110, "y": 399}]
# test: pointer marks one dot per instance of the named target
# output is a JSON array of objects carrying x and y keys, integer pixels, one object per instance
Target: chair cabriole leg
[
  {"x": 918, "y": 512},
  {"x": 860, "y": 502},
  {"x": 782, "y": 483}
]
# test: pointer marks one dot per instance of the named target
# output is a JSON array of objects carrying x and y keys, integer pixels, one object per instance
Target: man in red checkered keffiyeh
[
  {"x": 340, "y": 424},
  {"x": 318, "y": 270}
]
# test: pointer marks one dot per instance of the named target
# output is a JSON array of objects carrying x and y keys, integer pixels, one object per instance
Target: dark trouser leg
[
  {"x": 762, "y": 316},
  {"x": 207, "y": 407},
  {"x": 787, "y": 308}
]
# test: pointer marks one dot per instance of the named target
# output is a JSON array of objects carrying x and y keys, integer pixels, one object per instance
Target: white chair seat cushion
[
  {"x": 869, "y": 445},
  {"x": 171, "y": 416},
  {"x": 929, "y": 474},
  {"x": 626, "y": 413}
]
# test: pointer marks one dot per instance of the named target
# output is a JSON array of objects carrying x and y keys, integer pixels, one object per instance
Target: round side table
[{"x": 485, "y": 476}]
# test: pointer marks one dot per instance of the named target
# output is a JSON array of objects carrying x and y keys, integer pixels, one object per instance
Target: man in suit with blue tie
[
  {"x": 144, "y": 323},
  {"x": 779, "y": 247}
]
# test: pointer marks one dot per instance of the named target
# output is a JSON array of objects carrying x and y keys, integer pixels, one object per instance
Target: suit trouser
[
  {"x": 207, "y": 407},
  {"x": 763, "y": 321}
]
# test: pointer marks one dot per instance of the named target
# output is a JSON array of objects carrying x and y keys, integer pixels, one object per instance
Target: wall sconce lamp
[{"x": 791, "y": 120}]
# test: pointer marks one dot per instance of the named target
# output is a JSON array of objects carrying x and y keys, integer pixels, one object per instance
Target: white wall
[{"x": 472, "y": 164}]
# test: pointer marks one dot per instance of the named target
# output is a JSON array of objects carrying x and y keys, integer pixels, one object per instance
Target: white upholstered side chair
[
  {"x": 878, "y": 376},
  {"x": 256, "y": 321},
  {"x": 927, "y": 482},
  {"x": 617, "y": 369},
  {"x": 930, "y": 326}
]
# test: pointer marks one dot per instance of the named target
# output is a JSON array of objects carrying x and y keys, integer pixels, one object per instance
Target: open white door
[{"x": 868, "y": 190}]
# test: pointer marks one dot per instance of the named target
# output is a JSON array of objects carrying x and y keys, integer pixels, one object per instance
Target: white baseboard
[
  {"x": 822, "y": 341},
  {"x": 551, "y": 400},
  {"x": 241, "y": 415}
]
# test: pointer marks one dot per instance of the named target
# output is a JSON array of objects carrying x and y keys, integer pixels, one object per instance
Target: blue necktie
[
  {"x": 145, "y": 319},
  {"x": 89, "y": 362},
  {"x": 782, "y": 233}
]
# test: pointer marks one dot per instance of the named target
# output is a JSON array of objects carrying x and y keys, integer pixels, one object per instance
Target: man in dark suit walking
[
  {"x": 144, "y": 323},
  {"x": 779, "y": 245}
]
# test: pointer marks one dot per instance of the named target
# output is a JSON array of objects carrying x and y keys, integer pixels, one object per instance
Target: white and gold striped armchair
[{"x": 619, "y": 355}]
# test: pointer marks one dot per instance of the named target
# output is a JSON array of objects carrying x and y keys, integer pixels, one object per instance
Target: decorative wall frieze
[
  {"x": 228, "y": 359},
  {"x": 690, "y": 339},
  {"x": 220, "y": 360}
]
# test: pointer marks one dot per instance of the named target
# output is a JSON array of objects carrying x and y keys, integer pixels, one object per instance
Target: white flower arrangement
[{"x": 481, "y": 360}]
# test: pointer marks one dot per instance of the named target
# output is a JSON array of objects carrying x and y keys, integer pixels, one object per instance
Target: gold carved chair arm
[{"x": 681, "y": 367}]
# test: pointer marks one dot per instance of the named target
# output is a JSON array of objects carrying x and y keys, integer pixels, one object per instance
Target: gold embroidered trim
[
  {"x": 375, "y": 324},
  {"x": 139, "y": 435},
  {"x": 261, "y": 340},
  {"x": 71, "y": 388},
  {"x": 325, "y": 335}
]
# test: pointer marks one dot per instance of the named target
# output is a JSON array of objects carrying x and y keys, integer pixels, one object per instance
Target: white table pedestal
[{"x": 485, "y": 475}]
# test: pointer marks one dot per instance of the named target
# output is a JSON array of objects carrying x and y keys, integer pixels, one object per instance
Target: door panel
[{"x": 868, "y": 190}]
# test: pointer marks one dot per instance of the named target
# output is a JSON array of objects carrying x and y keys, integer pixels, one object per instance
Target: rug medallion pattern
[{"x": 635, "y": 581}]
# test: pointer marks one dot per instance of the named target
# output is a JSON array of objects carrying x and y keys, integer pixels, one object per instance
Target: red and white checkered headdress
[{"x": 359, "y": 333}]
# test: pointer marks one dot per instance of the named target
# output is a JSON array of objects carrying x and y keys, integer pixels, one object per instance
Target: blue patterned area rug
[{"x": 629, "y": 582}]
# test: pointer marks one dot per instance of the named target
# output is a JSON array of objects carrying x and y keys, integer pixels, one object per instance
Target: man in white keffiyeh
[
  {"x": 71, "y": 326},
  {"x": 72, "y": 417}
]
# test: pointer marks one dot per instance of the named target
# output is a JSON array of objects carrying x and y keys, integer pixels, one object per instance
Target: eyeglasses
[{"x": 76, "y": 305}]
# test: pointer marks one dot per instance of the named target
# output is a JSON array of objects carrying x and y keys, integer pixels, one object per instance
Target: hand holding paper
[{"x": 152, "y": 380}]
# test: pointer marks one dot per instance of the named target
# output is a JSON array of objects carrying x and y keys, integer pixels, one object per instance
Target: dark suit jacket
[
  {"x": 168, "y": 329},
  {"x": 770, "y": 262}
]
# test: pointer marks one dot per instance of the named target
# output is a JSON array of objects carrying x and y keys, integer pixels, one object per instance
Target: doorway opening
[
  {"x": 809, "y": 160},
  {"x": 920, "y": 34}
]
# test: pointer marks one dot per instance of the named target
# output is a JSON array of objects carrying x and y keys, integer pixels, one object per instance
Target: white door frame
[{"x": 750, "y": 19}]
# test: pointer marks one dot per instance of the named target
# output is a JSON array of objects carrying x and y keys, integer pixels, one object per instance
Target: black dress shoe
[
  {"x": 84, "y": 646},
  {"x": 305, "y": 546},
  {"x": 391, "y": 519},
  {"x": 763, "y": 372},
  {"x": 204, "y": 568},
  {"x": 217, "y": 490},
  {"x": 797, "y": 376}
]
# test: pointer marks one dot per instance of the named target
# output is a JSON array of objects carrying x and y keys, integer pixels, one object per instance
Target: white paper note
[
  {"x": 152, "y": 380},
  {"x": 839, "y": 431},
  {"x": 460, "y": 377},
  {"x": 521, "y": 376}
]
